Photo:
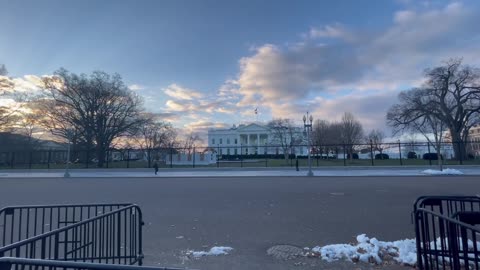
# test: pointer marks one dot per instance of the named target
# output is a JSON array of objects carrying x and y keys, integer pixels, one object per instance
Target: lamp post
[
  {"x": 307, "y": 125},
  {"x": 69, "y": 138}
]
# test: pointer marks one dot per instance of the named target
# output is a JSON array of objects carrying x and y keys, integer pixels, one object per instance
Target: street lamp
[
  {"x": 69, "y": 138},
  {"x": 307, "y": 125}
]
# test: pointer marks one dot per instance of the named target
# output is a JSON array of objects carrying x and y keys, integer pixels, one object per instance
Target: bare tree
[
  {"x": 6, "y": 86},
  {"x": 154, "y": 133},
  {"x": 415, "y": 113},
  {"x": 98, "y": 108},
  {"x": 284, "y": 135},
  {"x": 190, "y": 141},
  {"x": 454, "y": 89},
  {"x": 375, "y": 139},
  {"x": 351, "y": 132},
  {"x": 319, "y": 132},
  {"x": 326, "y": 136},
  {"x": 28, "y": 125}
]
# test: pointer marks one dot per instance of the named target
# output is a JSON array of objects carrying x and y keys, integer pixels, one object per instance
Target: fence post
[
  {"x": 171, "y": 157},
  {"x": 149, "y": 158},
  {"x": 241, "y": 155},
  {"x": 266, "y": 155},
  {"x": 128, "y": 158},
  {"x": 344, "y": 160},
  {"x": 49, "y": 158},
  {"x": 400, "y": 152},
  {"x": 193, "y": 157},
  {"x": 88, "y": 158},
  {"x": 371, "y": 152},
  {"x": 429, "y": 155},
  {"x": 12, "y": 160},
  {"x": 30, "y": 160},
  {"x": 218, "y": 155},
  {"x": 460, "y": 147},
  {"x": 107, "y": 157}
]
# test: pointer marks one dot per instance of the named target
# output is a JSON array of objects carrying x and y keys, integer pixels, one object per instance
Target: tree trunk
[
  {"x": 100, "y": 155},
  {"x": 458, "y": 145},
  {"x": 439, "y": 156}
]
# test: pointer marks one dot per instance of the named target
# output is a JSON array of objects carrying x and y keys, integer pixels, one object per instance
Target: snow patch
[
  {"x": 214, "y": 251},
  {"x": 371, "y": 250},
  {"x": 444, "y": 172}
]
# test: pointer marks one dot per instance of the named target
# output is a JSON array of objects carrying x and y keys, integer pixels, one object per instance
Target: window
[
  {"x": 221, "y": 152},
  {"x": 228, "y": 140},
  {"x": 236, "y": 152},
  {"x": 220, "y": 140},
  {"x": 228, "y": 151},
  {"x": 213, "y": 141},
  {"x": 235, "y": 141}
]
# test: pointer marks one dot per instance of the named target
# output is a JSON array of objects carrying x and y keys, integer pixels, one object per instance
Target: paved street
[
  {"x": 245, "y": 172},
  {"x": 250, "y": 214}
]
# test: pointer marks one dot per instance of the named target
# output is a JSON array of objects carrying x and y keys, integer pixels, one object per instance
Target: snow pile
[
  {"x": 214, "y": 251},
  {"x": 371, "y": 250},
  {"x": 444, "y": 172}
]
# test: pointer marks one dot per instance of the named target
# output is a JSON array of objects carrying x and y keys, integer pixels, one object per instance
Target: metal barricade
[
  {"x": 448, "y": 205},
  {"x": 446, "y": 235},
  {"x": 22, "y": 222},
  {"x": 8, "y": 263},
  {"x": 102, "y": 233}
]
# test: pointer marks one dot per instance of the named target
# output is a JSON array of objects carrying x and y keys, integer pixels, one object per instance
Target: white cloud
[
  {"x": 178, "y": 106},
  {"x": 374, "y": 65},
  {"x": 136, "y": 87},
  {"x": 330, "y": 31},
  {"x": 181, "y": 93},
  {"x": 28, "y": 83}
]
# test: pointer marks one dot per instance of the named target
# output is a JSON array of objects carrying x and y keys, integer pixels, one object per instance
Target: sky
[{"x": 203, "y": 64}]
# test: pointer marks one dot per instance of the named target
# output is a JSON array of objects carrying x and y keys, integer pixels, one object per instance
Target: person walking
[{"x": 155, "y": 166}]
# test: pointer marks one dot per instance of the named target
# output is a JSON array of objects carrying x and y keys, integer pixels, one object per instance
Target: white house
[{"x": 250, "y": 139}]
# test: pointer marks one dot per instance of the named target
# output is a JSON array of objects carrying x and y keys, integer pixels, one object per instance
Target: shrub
[
  {"x": 431, "y": 156},
  {"x": 412, "y": 155},
  {"x": 381, "y": 156},
  {"x": 355, "y": 156}
]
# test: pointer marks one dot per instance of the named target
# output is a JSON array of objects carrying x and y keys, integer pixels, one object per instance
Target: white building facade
[{"x": 250, "y": 139}]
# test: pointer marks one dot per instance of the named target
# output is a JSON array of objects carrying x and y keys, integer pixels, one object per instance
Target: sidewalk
[{"x": 234, "y": 172}]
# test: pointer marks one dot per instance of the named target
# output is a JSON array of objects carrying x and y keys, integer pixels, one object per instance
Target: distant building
[
  {"x": 474, "y": 139},
  {"x": 251, "y": 139}
]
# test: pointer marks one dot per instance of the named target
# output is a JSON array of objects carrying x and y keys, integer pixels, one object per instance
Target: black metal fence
[
  {"x": 446, "y": 232},
  {"x": 103, "y": 233},
  {"x": 268, "y": 155}
]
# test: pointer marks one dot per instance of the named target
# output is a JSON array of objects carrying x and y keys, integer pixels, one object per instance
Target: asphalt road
[{"x": 250, "y": 214}]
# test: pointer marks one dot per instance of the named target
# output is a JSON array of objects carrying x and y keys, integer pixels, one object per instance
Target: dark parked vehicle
[
  {"x": 381, "y": 156},
  {"x": 431, "y": 156}
]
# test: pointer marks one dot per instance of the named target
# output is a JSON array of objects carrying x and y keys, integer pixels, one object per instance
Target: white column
[
  {"x": 248, "y": 143},
  {"x": 258, "y": 143}
]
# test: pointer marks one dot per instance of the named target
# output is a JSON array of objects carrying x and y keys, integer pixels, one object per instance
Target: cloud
[
  {"x": 136, "y": 87},
  {"x": 330, "y": 31},
  {"x": 375, "y": 65},
  {"x": 25, "y": 84},
  {"x": 201, "y": 127},
  {"x": 180, "y": 93}
]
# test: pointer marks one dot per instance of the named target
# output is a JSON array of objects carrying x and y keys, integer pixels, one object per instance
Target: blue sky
[{"x": 204, "y": 64}]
